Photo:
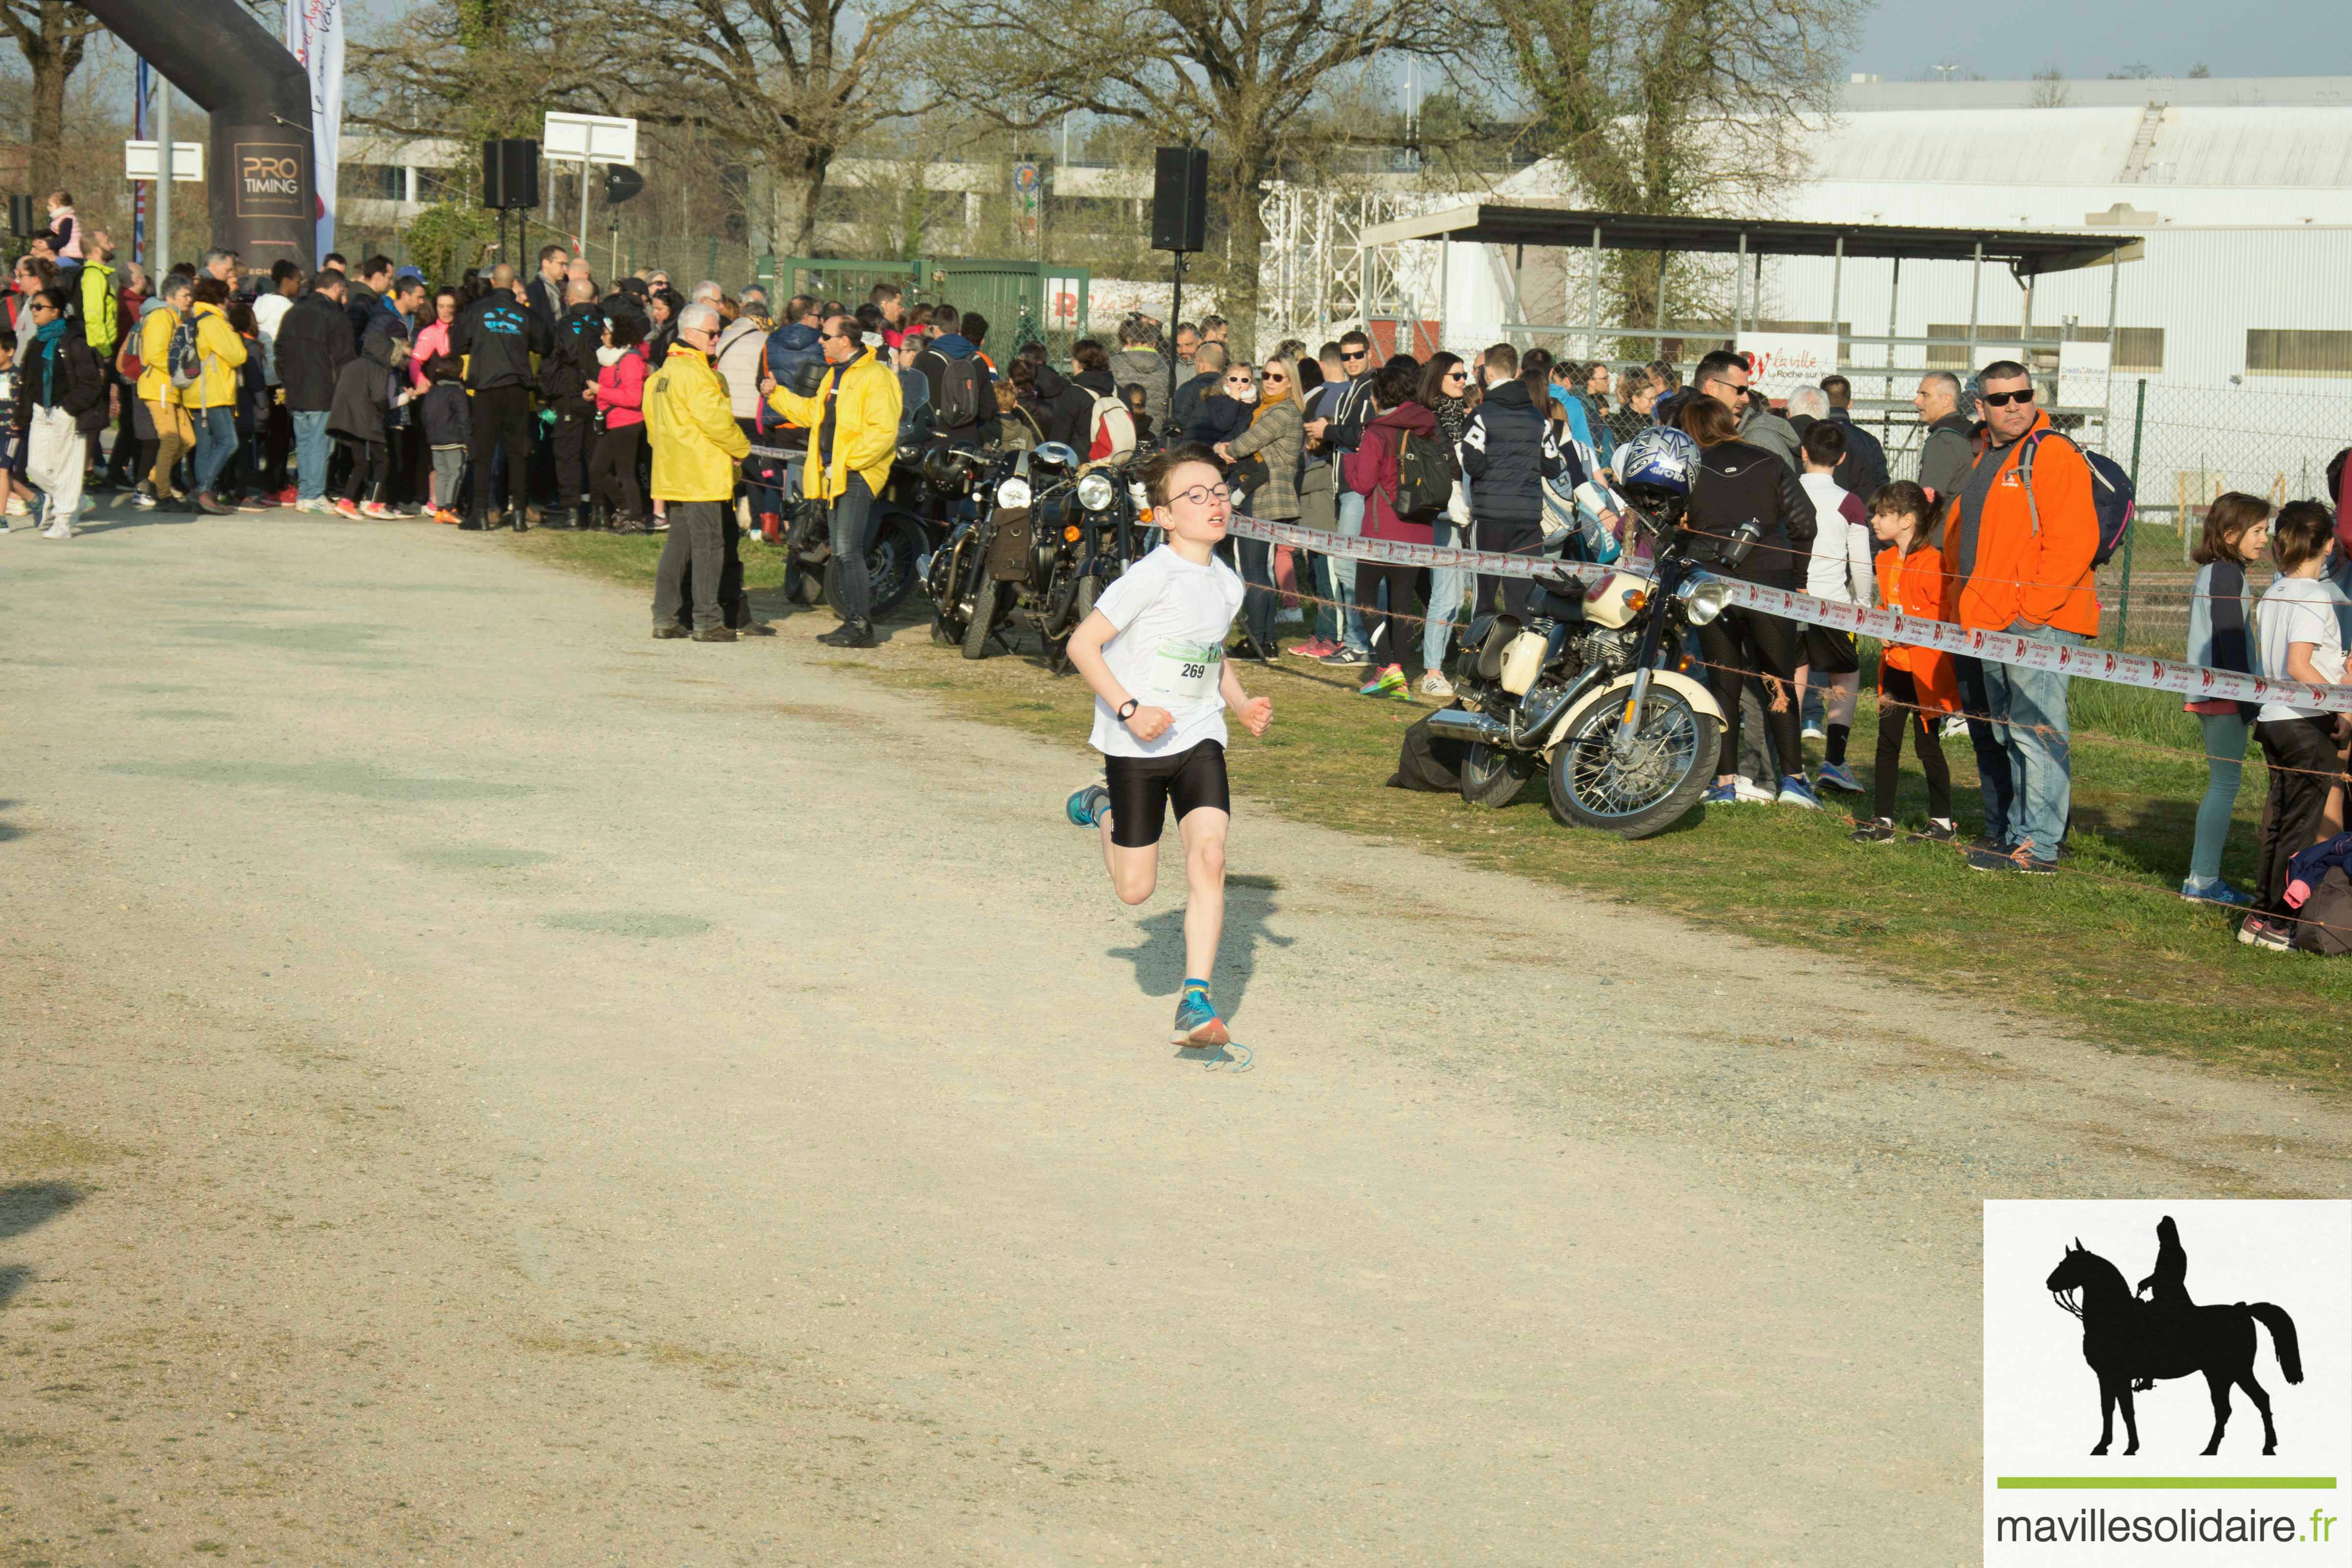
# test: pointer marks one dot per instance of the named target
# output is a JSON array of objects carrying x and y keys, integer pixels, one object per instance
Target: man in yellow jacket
[
  {"x": 853, "y": 424},
  {"x": 212, "y": 396},
  {"x": 166, "y": 412},
  {"x": 696, "y": 446}
]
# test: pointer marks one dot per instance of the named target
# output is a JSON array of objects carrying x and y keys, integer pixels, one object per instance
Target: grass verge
[{"x": 2105, "y": 949}]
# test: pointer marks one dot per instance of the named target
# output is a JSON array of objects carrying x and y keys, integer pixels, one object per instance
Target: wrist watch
[{"x": 1127, "y": 709}]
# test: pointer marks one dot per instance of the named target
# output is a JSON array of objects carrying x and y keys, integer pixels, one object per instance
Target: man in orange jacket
[{"x": 2019, "y": 561}]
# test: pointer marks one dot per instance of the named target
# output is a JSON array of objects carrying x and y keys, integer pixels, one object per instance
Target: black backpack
[
  {"x": 963, "y": 392},
  {"x": 1424, "y": 481}
]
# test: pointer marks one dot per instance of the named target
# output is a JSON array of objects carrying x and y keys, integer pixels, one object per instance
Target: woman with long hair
[
  {"x": 1446, "y": 392},
  {"x": 1264, "y": 462},
  {"x": 1740, "y": 484}
]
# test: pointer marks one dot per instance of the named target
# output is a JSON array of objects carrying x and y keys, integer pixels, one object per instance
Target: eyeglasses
[
  {"x": 1203, "y": 495},
  {"x": 2003, "y": 399}
]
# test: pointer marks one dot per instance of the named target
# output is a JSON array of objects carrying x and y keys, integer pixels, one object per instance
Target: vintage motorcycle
[
  {"x": 1586, "y": 687},
  {"x": 1044, "y": 543}
]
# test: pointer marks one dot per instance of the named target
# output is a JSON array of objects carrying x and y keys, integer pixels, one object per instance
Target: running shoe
[
  {"x": 1313, "y": 647},
  {"x": 1814, "y": 731},
  {"x": 16, "y": 507},
  {"x": 1388, "y": 682},
  {"x": 1346, "y": 659},
  {"x": 1879, "y": 831},
  {"x": 380, "y": 513},
  {"x": 1839, "y": 777},
  {"x": 1085, "y": 809},
  {"x": 1719, "y": 795},
  {"x": 1196, "y": 1020},
  {"x": 143, "y": 499},
  {"x": 1747, "y": 792},
  {"x": 1435, "y": 684},
  {"x": 1795, "y": 791},
  {"x": 1935, "y": 832},
  {"x": 349, "y": 509},
  {"x": 2216, "y": 892},
  {"x": 2260, "y": 931}
]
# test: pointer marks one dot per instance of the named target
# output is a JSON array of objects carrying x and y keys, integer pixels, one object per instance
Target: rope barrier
[{"x": 2181, "y": 678}]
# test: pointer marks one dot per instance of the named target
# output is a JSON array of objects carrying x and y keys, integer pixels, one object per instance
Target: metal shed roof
[{"x": 2025, "y": 253}]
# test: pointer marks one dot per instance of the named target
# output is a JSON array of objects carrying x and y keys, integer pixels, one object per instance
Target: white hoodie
[{"x": 1840, "y": 569}]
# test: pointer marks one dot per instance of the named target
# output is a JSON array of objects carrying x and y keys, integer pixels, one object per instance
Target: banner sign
[
  {"x": 314, "y": 35},
  {"x": 1779, "y": 363}
]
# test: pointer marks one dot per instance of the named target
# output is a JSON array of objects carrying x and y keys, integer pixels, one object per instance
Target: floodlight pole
[
  {"x": 159, "y": 260},
  {"x": 582, "y": 238}
]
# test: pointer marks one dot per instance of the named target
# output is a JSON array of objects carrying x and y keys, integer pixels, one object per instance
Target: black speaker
[
  {"x": 1180, "y": 199},
  {"x": 23, "y": 221},
  {"x": 510, "y": 172}
]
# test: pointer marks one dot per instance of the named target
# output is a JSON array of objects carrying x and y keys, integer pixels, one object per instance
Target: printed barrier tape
[{"x": 2195, "y": 681}]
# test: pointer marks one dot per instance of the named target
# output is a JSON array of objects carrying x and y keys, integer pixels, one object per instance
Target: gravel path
[{"x": 485, "y": 1087}]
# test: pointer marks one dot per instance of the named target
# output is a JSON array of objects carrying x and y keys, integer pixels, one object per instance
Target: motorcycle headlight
[
  {"x": 1013, "y": 492},
  {"x": 1703, "y": 598},
  {"x": 1096, "y": 490}
]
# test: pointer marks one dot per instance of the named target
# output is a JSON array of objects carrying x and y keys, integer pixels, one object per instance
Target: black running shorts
[
  {"x": 1829, "y": 651},
  {"x": 1142, "y": 787}
]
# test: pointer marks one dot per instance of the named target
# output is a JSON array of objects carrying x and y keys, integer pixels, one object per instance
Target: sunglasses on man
[{"x": 2003, "y": 399}]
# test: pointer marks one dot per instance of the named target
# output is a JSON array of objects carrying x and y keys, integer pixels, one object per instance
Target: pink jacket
[
  {"x": 432, "y": 339},
  {"x": 621, "y": 390}
]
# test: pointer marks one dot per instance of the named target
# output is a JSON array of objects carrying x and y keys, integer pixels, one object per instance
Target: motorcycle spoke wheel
[{"x": 1651, "y": 785}]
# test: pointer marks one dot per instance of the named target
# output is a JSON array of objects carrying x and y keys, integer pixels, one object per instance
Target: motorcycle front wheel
[
  {"x": 989, "y": 603},
  {"x": 1650, "y": 787},
  {"x": 1492, "y": 777}
]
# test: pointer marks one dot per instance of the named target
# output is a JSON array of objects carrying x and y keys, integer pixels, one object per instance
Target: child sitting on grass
[{"x": 1917, "y": 686}]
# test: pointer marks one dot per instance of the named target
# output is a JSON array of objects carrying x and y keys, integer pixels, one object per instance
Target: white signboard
[
  {"x": 2083, "y": 375},
  {"x": 589, "y": 139},
  {"x": 138, "y": 161},
  {"x": 1779, "y": 363}
]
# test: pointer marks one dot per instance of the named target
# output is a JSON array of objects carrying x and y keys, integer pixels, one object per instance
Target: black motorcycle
[
  {"x": 900, "y": 536},
  {"x": 1044, "y": 543},
  {"x": 1587, "y": 688}
]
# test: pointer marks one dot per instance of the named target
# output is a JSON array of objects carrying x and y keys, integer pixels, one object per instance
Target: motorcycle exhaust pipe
[{"x": 1461, "y": 724}]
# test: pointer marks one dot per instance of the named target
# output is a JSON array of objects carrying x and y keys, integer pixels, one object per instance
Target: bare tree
[
  {"x": 787, "y": 83},
  {"x": 51, "y": 35},
  {"x": 2049, "y": 89},
  {"x": 1243, "y": 80},
  {"x": 1674, "y": 105}
]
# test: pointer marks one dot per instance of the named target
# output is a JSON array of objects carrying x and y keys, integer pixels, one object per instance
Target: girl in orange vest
[{"x": 1917, "y": 686}]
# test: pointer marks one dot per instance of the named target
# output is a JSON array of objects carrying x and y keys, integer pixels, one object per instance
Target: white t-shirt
[
  {"x": 2299, "y": 609},
  {"x": 1840, "y": 568},
  {"x": 1170, "y": 652}
]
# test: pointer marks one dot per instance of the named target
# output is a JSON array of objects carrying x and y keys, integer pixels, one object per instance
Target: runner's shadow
[
  {"x": 1159, "y": 956},
  {"x": 25, "y": 1205}
]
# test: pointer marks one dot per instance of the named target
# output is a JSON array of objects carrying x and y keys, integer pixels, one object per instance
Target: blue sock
[{"x": 1193, "y": 984}]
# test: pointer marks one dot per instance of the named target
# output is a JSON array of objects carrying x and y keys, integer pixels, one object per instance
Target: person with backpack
[
  {"x": 2022, "y": 538},
  {"x": 852, "y": 421},
  {"x": 159, "y": 330},
  {"x": 1376, "y": 470},
  {"x": 206, "y": 356},
  {"x": 962, "y": 402},
  {"x": 1107, "y": 425}
]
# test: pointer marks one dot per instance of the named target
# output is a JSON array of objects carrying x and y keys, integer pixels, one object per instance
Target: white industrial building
[{"x": 2234, "y": 308}]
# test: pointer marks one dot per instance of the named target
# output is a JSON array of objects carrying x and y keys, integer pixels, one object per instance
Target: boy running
[{"x": 1154, "y": 650}]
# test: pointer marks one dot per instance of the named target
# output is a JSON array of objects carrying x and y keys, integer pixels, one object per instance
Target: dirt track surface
[{"x": 482, "y": 1086}]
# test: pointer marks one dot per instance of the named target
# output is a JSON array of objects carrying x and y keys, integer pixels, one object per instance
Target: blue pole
[{"x": 139, "y": 193}]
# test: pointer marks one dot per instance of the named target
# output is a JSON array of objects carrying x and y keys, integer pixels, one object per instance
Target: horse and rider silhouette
[{"x": 2131, "y": 1343}]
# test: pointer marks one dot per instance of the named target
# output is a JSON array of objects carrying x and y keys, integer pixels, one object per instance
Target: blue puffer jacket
[
  {"x": 790, "y": 348},
  {"x": 1508, "y": 451}
]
